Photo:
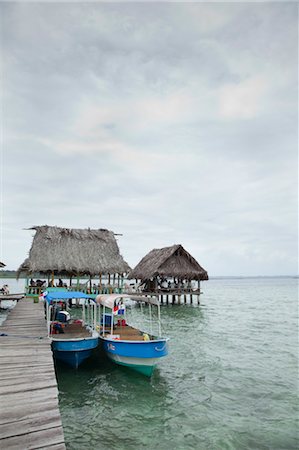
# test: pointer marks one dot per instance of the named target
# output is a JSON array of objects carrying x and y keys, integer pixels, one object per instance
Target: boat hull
[
  {"x": 141, "y": 356},
  {"x": 74, "y": 352}
]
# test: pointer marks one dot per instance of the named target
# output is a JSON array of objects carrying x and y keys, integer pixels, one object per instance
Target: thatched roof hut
[
  {"x": 172, "y": 261},
  {"x": 66, "y": 251}
]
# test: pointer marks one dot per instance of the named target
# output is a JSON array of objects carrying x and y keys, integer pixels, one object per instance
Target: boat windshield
[{"x": 122, "y": 311}]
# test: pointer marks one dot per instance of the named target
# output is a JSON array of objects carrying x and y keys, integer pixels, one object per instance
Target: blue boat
[
  {"x": 73, "y": 339},
  {"x": 128, "y": 345}
]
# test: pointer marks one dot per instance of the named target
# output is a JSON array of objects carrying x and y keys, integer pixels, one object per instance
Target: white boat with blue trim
[
  {"x": 126, "y": 344},
  {"x": 73, "y": 339}
]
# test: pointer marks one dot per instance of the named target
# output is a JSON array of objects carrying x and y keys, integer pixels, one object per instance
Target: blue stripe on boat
[
  {"x": 74, "y": 352},
  {"x": 138, "y": 349}
]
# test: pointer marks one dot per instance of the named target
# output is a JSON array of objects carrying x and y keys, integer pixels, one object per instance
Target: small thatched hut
[
  {"x": 73, "y": 252},
  {"x": 168, "y": 262}
]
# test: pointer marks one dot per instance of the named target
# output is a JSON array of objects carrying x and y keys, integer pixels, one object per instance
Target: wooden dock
[
  {"x": 16, "y": 297},
  {"x": 175, "y": 296},
  {"x": 29, "y": 411}
]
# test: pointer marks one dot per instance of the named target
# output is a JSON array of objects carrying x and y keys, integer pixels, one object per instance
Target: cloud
[
  {"x": 243, "y": 100},
  {"x": 171, "y": 123}
]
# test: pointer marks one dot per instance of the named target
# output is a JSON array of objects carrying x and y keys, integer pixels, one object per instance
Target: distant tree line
[{"x": 8, "y": 274}]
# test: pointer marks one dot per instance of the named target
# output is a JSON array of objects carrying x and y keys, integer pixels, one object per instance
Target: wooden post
[
  {"x": 27, "y": 285},
  {"x": 173, "y": 299},
  {"x": 100, "y": 282},
  {"x": 109, "y": 284},
  {"x": 71, "y": 281},
  {"x": 90, "y": 284},
  {"x": 167, "y": 299},
  {"x": 113, "y": 283},
  {"x": 52, "y": 281},
  {"x": 185, "y": 298},
  {"x": 191, "y": 299}
]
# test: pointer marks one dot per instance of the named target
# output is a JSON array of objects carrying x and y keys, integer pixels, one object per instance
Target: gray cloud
[{"x": 171, "y": 123}]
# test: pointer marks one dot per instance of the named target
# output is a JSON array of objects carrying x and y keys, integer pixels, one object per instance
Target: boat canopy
[
  {"x": 108, "y": 300},
  {"x": 65, "y": 295}
]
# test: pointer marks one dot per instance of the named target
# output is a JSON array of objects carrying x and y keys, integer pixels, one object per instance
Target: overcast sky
[{"x": 171, "y": 123}]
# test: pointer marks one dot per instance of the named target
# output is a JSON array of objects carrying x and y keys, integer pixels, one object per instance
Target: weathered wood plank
[
  {"x": 29, "y": 413},
  {"x": 26, "y": 379},
  {"x": 29, "y": 385},
  {"x": 21, "y": 411},
  {"x": 33, "y": 423},
  {"x": 34, "y": 440},
  {"x": 30, "y": 397},
  {"x": 40, "y": 368}
]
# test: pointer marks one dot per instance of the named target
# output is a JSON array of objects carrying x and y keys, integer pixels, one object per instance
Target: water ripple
[{"x": 229, "y": 382}]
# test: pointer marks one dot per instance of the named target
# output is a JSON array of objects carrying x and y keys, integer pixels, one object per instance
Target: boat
[
  {"x": 73, "y": 339},
  {"x": 128, "y": 345}
]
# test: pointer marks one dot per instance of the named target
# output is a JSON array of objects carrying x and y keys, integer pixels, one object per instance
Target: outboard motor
[{"x": 63, "y": 316}]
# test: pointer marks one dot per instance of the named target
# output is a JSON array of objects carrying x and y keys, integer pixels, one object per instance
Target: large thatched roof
[
  {"x": 172, "y": 261},
  {"x": 73, "y": 251}
]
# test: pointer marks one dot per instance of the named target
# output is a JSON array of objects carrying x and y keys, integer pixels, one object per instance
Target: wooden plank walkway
[{"x": 29, "y": 411}]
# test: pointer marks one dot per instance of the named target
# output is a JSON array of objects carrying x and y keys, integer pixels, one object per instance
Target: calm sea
[{"x": 229, "y": 382}]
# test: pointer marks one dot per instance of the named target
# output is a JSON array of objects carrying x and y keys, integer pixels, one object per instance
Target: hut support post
[
  {"x": 53, "y": 279},
  {"x": 150, "y": 315},
  {"x": 109, "y": 283}
]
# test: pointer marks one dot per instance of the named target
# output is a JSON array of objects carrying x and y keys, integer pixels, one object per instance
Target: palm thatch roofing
[
  {"x": 67, "y": 251},
  {"x": 172, "y": 261},
  {"x": 2, "y": 265}
]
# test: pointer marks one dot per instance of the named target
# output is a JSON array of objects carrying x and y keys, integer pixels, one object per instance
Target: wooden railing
[{"x": 94, "y": 290}]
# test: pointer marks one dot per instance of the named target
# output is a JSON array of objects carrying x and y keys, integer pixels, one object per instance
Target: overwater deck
[{"x": 29, "y": 412}]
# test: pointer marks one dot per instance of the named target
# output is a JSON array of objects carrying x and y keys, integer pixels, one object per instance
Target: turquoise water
[{"x": 229, "y": 382}]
